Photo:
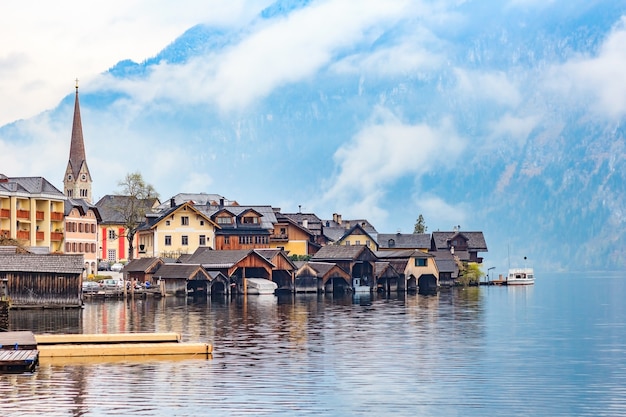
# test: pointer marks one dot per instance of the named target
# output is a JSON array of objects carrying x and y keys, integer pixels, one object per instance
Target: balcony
[
  {"x": 56, "y": 236},
  {"x": 39, "y": 215},
  {"x": 279, "y": 238},
  {"x": 39, "y": 235},
  {"x": 23, "y": 214},
  {"x": 5, "y": 213},
  {"x": 23, "y": 234},
  {"x": 56, "y": 216}
]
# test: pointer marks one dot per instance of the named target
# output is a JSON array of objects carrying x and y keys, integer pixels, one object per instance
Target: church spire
[{"x": 77, "y": 181}]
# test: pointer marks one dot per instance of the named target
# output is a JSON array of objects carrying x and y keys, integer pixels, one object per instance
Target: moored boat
[
  {"x": 260, "y": 286},
  {"x": 520, "y": 276}
]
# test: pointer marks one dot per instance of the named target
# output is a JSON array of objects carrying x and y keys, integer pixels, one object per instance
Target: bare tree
[{"x": 138, "y": 199}]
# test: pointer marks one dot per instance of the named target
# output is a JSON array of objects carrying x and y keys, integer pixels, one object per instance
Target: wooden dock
[{"x": 18, "y": 352}]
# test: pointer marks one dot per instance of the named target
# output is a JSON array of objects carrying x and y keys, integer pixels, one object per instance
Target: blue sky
[{"x": 463, "y": 83}]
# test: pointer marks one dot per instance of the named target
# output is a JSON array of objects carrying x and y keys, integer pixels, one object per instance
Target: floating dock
[{"x": 20, "y": 351}]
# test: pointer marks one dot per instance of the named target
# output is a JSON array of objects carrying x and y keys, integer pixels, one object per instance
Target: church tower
[{"x": 77, "y": 181}]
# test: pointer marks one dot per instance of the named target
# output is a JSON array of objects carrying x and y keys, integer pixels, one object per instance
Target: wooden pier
[{"x": 18, "y": 352}]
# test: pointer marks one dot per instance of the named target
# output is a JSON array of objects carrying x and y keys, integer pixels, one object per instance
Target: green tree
[
  {"x": 139, "y": 199},
  {"x": 470, "y": 274},
  {"x": 420, "y": 225}
]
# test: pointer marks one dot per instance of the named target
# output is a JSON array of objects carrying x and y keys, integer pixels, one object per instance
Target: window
[
  {"x": 168, "y": 240},
  {"x": 80, "y": 227},
  {"x": 367, "y": 243},
  {"x": 111, "y": 234},
  {"x": 184, "y": 220},
  {"x": 283, "y": 231},
  {"x": 202, "y": 240},
  {"x": 111, "y": 255},
  {"x": 421, "y": 262},
  {"x": 347, "y": 243},
  {"x": 167, "y": 222},
  {"x": 93, "y": 228},
  {"x": 224, "y": 220},
  {"x": 250, "y": 220},
  {"x": 184, "y": 240},
  {"x": 201, "y": 222},
  {"x": 391, "y": 243},
  {"x": 83, "y": 193},
  {"x": 358, "y": 242},
  {"x": 227, "y": 240}
]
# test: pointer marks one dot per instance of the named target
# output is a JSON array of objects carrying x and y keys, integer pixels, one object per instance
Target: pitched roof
[
  {"x": 198, "y": 199},
  {"x": 475, "y": 240},
  {"x": 395, "y": 254},
  {"x": 403, "y": 240},
  {"x": 354, "y": 228},
  {"x": 210, "y": 258},
  {"x": 29, "y": 185},
  {"x": 142, "y": 264},
  {"x": 339, "y": 252},
  {"x": 112, "y": 207},
  {"x": 77, "y": 144},
  {"x": 307, "y": 220},
  {"x": 178, "y": 270},
  {"x": 63, "y": 264},
  {"x": 82, "y": 205}
]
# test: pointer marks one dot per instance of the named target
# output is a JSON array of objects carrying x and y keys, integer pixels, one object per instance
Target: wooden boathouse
[{"x": 42, "y": 281}]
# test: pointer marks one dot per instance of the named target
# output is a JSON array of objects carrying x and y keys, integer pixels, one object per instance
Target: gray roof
[
  {"x": 29, "y": 185},
  {"x": 210, "y": 258},
  {"x": 339, "y": 252},
  {"x": 268, "y": 216},
  {"x": 395, "y": 254},
  {"x": 321, "y": 268},
  {"x": 112, "y": 207},
  {"x": 83, "y": 207},
  {"x": 63, "y": 264},
  {"x": 475, "y": 240},
  {"x": 177, "y": 270},
  {"x": 307, "y": 220},
  {"x": 403, "y": 240},
  {"x": 198, "y": 199},
  {"x": 141, "y": 264}
]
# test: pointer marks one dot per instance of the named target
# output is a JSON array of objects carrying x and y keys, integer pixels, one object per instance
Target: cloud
[
  {"x": 53, "y": 43},
  {"x": 445, "y": 215},
  {"x": 383, "y": 152},
  {"x": 599, "y": 80},
  {"x": 512, "y": 127},
  {"x": 495, "y": 86}
]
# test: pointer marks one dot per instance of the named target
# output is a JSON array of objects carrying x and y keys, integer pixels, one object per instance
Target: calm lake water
[{"x": 557, "y": 348}]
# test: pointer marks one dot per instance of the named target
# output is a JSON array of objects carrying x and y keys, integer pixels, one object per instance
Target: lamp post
[{"x": 489, "y": 273}]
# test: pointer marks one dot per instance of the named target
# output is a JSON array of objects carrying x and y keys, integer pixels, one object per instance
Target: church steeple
[{"x": 77, "y": 181}]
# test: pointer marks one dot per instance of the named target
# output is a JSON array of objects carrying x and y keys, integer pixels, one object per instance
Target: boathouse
[
  {"x": 180, "y": 279},
  {"x": 283, "y": 270},
  {"x": 50, "y": 281},
  {"x": 321, "y": 277},
  {"x": 142, "y": 270},
  {"x": 358, "y": 261}
]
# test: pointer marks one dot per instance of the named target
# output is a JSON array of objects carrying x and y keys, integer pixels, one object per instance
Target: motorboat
[
  {"x": 260, "y": 286},
  {"x": 360, "y": 285},
  {"x": 520, "y": 276}
]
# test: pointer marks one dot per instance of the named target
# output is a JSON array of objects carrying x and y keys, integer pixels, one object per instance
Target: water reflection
[{"x": 471, "y": 352}]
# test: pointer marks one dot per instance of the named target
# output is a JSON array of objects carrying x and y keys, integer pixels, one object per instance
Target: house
[
  {"x": 142, "y": 270},
  {"x": 283, "y": 268},
  {"x": 395, "y": 241},
  {"x": 421, "y": 272},
  {"x": 115, "y": 212},
  {"x": 181, "y": 279},
  {"x": 357, "y": 261},
  {"x": 81, "y": 232},
  {"x": 35, "y": 280},
  {"x": 237, "y": 265},
  {"x": 357, "y": 235},
  {"x": 448, "y": 268},
  {"x": 31, "y": 213},
  {"x": 179, "y": 230},
  {"x": 292, "y": 237},
  {"x": 322, "y": 277},
  {"x": 466, "y": 246},
  {"x": 387, "y": 278},
  {"x": 336, "y": 228},
  {"x": 310, "y": 222},
  {"x": 242, "y": 227}
]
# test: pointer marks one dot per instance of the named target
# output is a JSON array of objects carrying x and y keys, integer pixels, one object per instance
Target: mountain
[{"x": 506, "y": 118}]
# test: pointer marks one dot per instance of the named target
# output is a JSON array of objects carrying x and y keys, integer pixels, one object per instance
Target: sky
[{"x": 428, "y": 44}]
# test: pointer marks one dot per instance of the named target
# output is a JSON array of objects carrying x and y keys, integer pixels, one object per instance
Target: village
[{"x": 203, "y": 244}]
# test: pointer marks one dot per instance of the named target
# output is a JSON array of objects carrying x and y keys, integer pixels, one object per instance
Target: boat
[
  {"x": 360, "y": 285},
  {"x": 260, "y": 286},
  {"x": 520, "y": 276}
]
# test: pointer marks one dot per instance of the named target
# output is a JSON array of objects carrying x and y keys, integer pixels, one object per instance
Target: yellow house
[
  {"x": 174, "y": 232},
  {"x": 421, "y": 271},
  {"x": 292, "y": 238},
  {"x": 31, "y": 212},
  {"x": 357, "y": 236}
]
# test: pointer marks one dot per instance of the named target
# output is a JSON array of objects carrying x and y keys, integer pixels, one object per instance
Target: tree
[
  {"x": 139, "y": 197},
  {"x": 420, "y": 225},
  {"x": 470, "y": 274}
]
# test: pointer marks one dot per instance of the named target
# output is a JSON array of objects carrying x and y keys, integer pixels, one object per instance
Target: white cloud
[
  {"x": 441, "y": 215},
  {"x": 494, "y": 86},
  {"x": 53, "y": 43},
  {"x": 599, "y": 80},
  {"x": 383, "y": 152},
  {"x": 512, "y": 127}
]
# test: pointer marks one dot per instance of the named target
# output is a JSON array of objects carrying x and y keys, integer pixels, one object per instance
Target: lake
[{"x": 557, "y": 348}]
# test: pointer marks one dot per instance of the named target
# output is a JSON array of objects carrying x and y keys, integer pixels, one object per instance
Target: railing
[
  {"x": 39, "y": 215},
  {"x": 39, "y": 235},
  {"x": 56, "y": 236},
  {"x": 56, "y": 216},
  {"x": 279, "y": 238},
  {"x": 23, "y": 234},
  {"x": 5, "y": 213},
  {"x": 23, "y": 214}
]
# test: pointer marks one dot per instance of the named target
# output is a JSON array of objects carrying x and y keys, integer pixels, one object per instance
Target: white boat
[
  {"x": 520, "y": 276},
  {"x": 260, "y": 286},
  {"x": 359, "y": 285}
]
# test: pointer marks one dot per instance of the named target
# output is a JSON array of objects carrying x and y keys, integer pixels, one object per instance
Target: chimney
[
  {"x": 299, "y": 208},
  {"x": 221, "y": 202},
  {"x": 172, "y": 202}
]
